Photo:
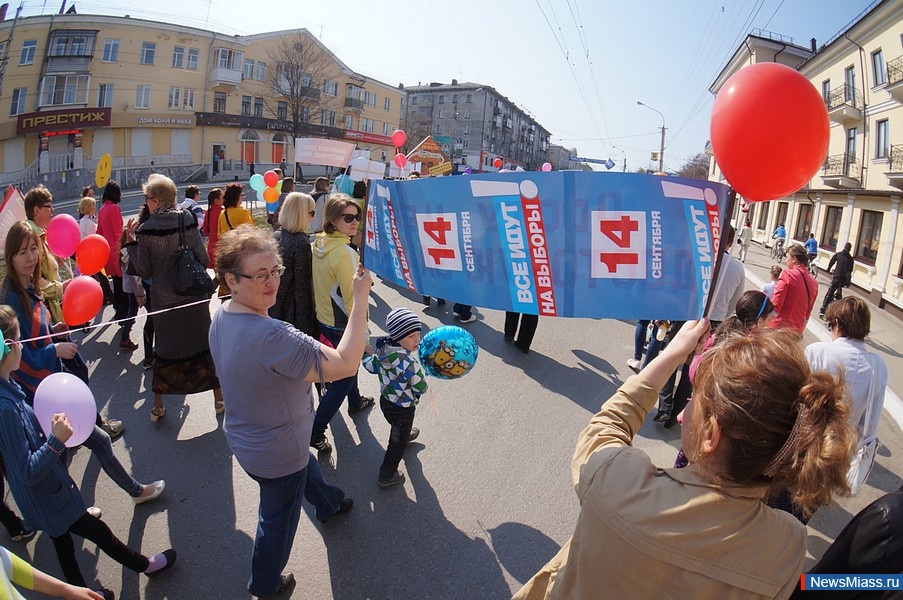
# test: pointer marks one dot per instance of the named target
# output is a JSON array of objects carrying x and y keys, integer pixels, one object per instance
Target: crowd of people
[{"x": 770, "y": 435}]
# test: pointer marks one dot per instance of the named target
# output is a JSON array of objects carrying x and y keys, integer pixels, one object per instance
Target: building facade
[
  {"x": 192, "y": 103},
  {"x": 475, "y": 125},
  {"x": 855, "y": 197}
]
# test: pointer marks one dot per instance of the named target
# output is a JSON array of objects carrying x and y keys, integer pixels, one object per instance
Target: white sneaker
[
  {"x": 94, "y": 512},
  {"x": 634, "y": 364},
  {"x": 469, "y": 319}
]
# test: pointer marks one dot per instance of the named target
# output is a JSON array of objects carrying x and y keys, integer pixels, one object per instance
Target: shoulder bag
[
  {"x": 864, "y": 456},
  {"x": 189, "y": 276}
]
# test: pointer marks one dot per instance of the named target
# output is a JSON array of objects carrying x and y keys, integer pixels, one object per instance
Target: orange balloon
[
  {"x": 92, "y": 254},
  {"x": 270, "y": 194},
  {"x": 82, "y": 300}
]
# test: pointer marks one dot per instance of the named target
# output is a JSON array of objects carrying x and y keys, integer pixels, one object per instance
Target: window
[
  {"x": 349, "y": 121},
  {"x": 882, "y": 147},
  {"x": 467, "y": 129},
  {"x": 368, "y": 125},
  {"x": 229, "y": 59},
  {"x": 414, "y": 101},
  {"x": 330, "y": 88},
  {"x": 803, "y": 223},
  {"x": 440, "y": 114},
  {"x": 282, "y": 110},
  {"x": 258, "y": 107},
  {"x": 193, "y": 59},
  {"x": 441, "y": 98},
  {"x": 469, "y": 98},
  {"x": 64, "y": 89},
  {"x": 175, "y": 98},
  {"x": 879, "y": 68},
  {"x": 368, "y": 98},
  {"x": 188, "y": 99},
  {"x": 327, "y": 117},
  {"x": 178, "y": 57},
  {"x": 831, "y": 228},
  {"x": 851, "y": 142},
  {"x": 105, "y": 95},
  {"x": 148, "y": 49},
  {"x": 385, "y": 129},
  {"x": 249, "y": 69},
  {"x": 306, "y": 80},
  {"x": 869, "y": 236},
  {"x": 110, "y": 50},
  {"x": 28, "y": 49},
  {"x": 900, "y": 270},
  {"x": 826, "y": 90},
  {"x": 142, "y": 97},
  {"x": 246, "y": 106},
  {"x": 261, "y": 71},
  {"x": 466, "y": 114},
  {"x": 464, "y": 144},
  {"x": 219, "y": 102},
  {"x": 849, "y": 78},
  {"x": 454, "y": 98},
  {"x": 387, "y": 104},
  {"x": 438, "y": 127},
  {"x": 18, "y": 105}
]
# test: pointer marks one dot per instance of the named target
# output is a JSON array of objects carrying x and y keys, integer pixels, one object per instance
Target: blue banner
[{"x": 567, "y": 244}]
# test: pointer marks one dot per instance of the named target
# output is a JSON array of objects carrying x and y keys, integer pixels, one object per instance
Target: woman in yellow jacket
[
  {"x": 334, "y": 265},
  {"x": 234, "y": 214}
]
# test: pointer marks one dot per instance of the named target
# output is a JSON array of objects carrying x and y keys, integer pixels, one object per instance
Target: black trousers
[
  {"x": 834, "y": 293},
  {"x": 95, "y": 530},
  {"x": 402, "y": 420},
  {"x": 120, "y": 299},
  {"x": 528, "y": 325}
]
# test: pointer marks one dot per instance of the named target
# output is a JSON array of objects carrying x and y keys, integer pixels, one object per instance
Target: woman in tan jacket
[{"x": 759, "y": 419}]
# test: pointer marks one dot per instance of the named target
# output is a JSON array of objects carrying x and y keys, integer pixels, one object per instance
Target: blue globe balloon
[{"x": 448, "y": 352}]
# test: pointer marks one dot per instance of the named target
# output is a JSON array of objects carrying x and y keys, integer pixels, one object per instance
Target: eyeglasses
[
  {"x": 312, "y": 213},
  {"x": 351, "y": 218},
  {"x": 50, "y": 206},
  {"x": 264, "y": 277}
]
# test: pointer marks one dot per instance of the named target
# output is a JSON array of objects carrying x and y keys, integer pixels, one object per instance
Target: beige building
[
  {"x": 855, "y": 197},
  {"x": 195, "y": 104}
]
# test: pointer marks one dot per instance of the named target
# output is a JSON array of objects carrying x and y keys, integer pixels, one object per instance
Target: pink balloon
[
  {"x": 399, "y": 138},
  {"x": 63, "y": 235},
  {"x": 401, "y": 160},
  {"x": 66, "y": 393},
  {"x": 546, "y": 167}
]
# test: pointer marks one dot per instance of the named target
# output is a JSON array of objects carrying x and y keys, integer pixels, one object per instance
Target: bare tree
[
  {"x": 300, "y": 67},
  {"x": 417, "y": 124},
  {"x": 696, "y": 167}
]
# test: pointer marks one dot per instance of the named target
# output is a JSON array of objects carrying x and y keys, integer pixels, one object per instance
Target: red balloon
[
  {"x": 769, "y": 130},
  {"x": 92, "y": 255},
  {"x": 82, "y": 300},
  {"x": 271, "y": 178},
  {"x": 401, "y": 160},
  {"x": 398, "y": 138},
  {"x": 498, "y": 163}
]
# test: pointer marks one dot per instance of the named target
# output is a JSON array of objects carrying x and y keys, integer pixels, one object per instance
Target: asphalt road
[{"x": 488, "y": 498}]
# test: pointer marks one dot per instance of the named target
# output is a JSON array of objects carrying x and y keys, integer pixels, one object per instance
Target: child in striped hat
[{"x": 401, "y": 382}]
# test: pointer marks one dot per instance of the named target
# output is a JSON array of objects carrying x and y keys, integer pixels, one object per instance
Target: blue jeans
[
  {"x": 125, "y": 328},
  {"x": 277, "y": 521},
  {"x": 100, "y": 445},
  {"x": 336, "y": 391},
  {"x": 639, "y": 338},
  {"x": 402, "y": 420}
]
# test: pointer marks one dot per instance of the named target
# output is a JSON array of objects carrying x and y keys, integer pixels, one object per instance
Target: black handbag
[{"x": 189, "y": 276}]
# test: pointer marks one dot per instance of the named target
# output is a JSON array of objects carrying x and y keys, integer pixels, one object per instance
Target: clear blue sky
[{"x": 578, "y": 66}]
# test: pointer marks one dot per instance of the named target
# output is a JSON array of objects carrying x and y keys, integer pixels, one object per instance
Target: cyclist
[
  {"x": 812, "y": 250},
  {"x": 780, "y": 235}
]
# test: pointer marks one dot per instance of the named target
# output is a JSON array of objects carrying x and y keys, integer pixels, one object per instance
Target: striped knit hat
[{"x": 401, "y": 323}]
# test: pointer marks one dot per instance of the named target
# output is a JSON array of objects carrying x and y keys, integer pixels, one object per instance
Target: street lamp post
[
  {"x": 625, "y": 157},
  {"x": 661, "y": 154}
]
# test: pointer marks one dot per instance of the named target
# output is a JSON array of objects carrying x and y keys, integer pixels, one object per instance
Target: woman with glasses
[
  {"x": 295, "y": 298},
  {"x": 39, "y": 211},
  {"x": 334, "y": 264},
  {"x": 266, "y": 368},
  {"x": 182, "y": 361}
]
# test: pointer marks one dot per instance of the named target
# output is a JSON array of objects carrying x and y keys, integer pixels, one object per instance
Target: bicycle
[
  {"x": 813, "y": 270},
  {"x": 777, "y": 250}
]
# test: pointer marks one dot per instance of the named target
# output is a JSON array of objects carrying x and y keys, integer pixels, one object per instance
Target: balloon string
[
  {"x": 432, "y": 401},
  {"x": 114, "y": 322}
]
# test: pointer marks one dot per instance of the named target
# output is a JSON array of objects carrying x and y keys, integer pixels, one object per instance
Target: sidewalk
[{"x": 886, "y": 335}]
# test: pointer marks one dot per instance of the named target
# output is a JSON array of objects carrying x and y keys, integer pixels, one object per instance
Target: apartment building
[
  {"x": 476, "y": 125},
  {"x": 855, "y": 197},
  {"x": 192, "y": 103}
]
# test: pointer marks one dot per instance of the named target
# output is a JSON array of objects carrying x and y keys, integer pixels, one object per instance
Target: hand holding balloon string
[{"x": 61, "y": 427}]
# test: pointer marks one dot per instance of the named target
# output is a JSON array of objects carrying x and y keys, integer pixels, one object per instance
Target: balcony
[
  {"x": 895, "y": 79},
  {"x": 845, "y": 105},
  {"x": 895, "y": 169},
  {"x": 225, "y": 77},
  {"x": 841, "y": 171},
  {"x": 354, "y": 103}
]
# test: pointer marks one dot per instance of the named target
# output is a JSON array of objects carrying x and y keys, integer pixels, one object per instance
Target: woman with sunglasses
[
  {"x": 295, "y": 298},
  {"x": 182, "y": 362},
  {"x": 334, "y": 264}
]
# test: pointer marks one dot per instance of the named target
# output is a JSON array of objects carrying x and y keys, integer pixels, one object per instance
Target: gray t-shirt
[{"x": 261, "y": 364}]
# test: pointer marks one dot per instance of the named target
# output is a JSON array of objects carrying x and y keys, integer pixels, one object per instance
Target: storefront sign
[
  {"x": 162, "y": 121},
  {"x": 56, "y": 120},
  {"x": 370, "y": 138}
]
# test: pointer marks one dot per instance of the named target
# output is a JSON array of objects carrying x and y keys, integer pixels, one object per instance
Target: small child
[
  {"x": 401, "y": 382},
  {"x": 768, "y": 288},
  {"x": 134, "y": 291}
]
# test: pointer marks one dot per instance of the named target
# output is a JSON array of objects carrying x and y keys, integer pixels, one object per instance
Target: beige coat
[{"x": 645, "y": 532}]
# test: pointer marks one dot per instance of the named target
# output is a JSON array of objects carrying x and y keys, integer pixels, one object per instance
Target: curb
[{"x": 892, "y": 403}]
